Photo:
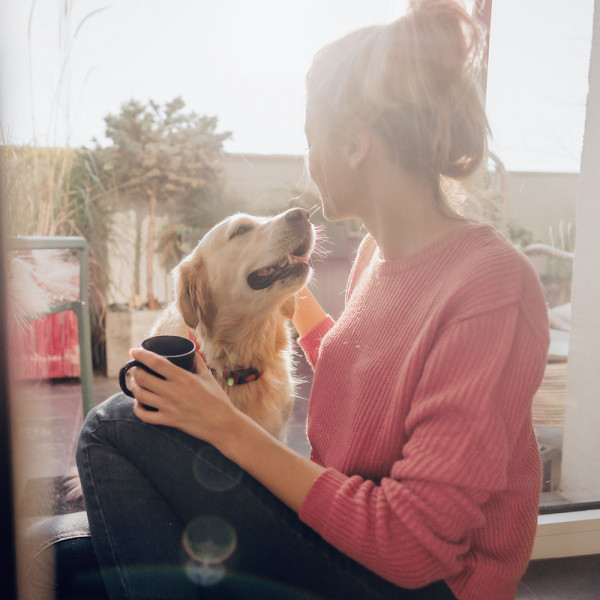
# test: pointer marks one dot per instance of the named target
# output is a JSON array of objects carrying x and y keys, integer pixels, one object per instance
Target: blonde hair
[{"x": 414, "y": 82}]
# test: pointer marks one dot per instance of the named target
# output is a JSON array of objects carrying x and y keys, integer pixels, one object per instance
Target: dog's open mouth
[{"x": 291, "y": 265}]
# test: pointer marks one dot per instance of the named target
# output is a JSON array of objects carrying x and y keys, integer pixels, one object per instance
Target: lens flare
[
  {"x": 215, "y": 472},
  {"x": 209, "y": 540},
  {"x": 204, "y": 574}
]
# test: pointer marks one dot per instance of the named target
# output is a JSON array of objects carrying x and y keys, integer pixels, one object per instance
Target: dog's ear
[
  {"x": 289, "y": 307},
  {"x": 193, "y": 296}
]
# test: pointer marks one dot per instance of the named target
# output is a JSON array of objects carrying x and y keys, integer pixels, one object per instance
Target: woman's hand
[
  {"x": 193, "y": 403},
  {"x": 308, "y": 313},
  {"x": 197, "y": 405}
]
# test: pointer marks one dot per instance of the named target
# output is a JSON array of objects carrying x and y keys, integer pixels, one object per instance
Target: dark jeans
[{"x": 171, "y": 517}]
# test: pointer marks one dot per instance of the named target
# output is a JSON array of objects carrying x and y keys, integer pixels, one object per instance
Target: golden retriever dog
[{"x": 234, "y": 296}]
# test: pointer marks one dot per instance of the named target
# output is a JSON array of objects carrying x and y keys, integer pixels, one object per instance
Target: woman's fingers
[
  {"x": 148, "y": 416},
  {"x": 159, "y": 364},
  {"x": 141, "y": 385}
]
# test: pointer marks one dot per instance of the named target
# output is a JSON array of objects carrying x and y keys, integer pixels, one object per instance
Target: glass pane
[{"x": 536, "y": 102}]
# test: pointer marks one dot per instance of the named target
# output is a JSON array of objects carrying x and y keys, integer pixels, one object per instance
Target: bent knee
[{"x": 117, "y": 408}]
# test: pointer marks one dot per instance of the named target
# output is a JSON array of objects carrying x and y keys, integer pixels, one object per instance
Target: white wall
[
  {"x": 538, "y": 201},
  {"x": 121, "y": 261},
  {"x": 264, "y": 178},
  {"x": 542, "y": 201}
]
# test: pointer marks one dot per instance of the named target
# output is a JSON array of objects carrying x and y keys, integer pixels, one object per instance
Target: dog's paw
[{"x": 72, "y": 486}]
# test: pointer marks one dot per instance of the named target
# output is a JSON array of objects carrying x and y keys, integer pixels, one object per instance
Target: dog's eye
[{"x": 240, "y": 230}]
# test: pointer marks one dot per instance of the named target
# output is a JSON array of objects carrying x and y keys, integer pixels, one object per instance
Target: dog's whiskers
[
  {"x": 314, "y": 209},
  {"x": 320, "y": 254},
  {"x": 320, "y": 250}
]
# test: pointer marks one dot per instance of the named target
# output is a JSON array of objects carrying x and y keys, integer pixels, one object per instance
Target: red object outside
[{"x": 49, "y": 348}]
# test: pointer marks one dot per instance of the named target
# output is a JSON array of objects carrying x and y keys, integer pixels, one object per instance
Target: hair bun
[{"x": 445, "y": 37}]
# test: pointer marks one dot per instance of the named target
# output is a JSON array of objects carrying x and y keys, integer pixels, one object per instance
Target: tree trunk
[
  {"x": 152, "y": 302},
  {"x": 135, "y": 298}
]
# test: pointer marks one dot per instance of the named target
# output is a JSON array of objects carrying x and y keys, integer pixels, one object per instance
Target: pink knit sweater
[{"x": 421, "y": 411}]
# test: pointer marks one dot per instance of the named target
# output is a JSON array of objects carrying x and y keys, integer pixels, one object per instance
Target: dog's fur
[
  {"x": 235, "y": 293},
  {"x": 235, "y": 325}
]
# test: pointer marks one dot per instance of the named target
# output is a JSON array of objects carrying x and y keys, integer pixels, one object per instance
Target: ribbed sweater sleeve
[
  {"x": 424, "y": 421},
  {"x": 311, "y": 342}
]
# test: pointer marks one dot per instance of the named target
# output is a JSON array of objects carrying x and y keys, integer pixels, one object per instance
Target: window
[{"x": 536, "y": 100}]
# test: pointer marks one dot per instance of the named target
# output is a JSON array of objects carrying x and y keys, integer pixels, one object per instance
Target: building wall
[
  {"x": 263, "y": 179},
  {"x": 540, "y": 202},
  {"x": 537, "y": 201},
  {"x": 543, "y": 202}
]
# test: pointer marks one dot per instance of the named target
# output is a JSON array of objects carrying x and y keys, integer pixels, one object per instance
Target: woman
[{"x": 424, "y": 473}]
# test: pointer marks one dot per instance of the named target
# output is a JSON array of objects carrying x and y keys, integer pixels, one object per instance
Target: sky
[{"x": 66, "y": 64}]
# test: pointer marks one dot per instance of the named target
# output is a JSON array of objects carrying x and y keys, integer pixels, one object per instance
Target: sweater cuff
[
  {"x": 315, "y": 509},
  {"x": 311, "y": 342}
]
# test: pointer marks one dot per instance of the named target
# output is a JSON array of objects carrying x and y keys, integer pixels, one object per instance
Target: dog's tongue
[
  {"x": 303, "y": 258},
  {"x": 264, "y": 277},
  {"x": 266, "y": 272}
]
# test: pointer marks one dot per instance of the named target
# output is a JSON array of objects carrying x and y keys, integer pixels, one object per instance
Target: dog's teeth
[{"x": 283, "y": 262}]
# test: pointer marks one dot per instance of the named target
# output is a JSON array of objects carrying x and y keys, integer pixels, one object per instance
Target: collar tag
[{"x": 238, "y": 377}]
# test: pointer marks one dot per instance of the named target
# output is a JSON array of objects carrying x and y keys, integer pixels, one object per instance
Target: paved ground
[{"x": 48, "y": 416}]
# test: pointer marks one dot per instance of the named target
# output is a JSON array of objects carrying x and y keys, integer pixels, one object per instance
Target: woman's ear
[{"x": 358, "y": 146}]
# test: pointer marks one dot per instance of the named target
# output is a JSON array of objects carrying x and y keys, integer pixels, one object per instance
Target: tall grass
[
  {"x": 38, "y": 190},
  {"x": 57, "y": 191}
]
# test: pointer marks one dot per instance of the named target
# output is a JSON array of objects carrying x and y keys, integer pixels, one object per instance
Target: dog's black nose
[{"x": 295, "y": 215}]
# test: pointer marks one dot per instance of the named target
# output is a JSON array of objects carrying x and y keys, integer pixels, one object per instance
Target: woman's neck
[
  {"x": 403, "y": 213},
  {"x": 399, "y": 234}
]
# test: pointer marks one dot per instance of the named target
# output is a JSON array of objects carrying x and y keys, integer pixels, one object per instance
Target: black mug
[{"x": 179, "y": 350}]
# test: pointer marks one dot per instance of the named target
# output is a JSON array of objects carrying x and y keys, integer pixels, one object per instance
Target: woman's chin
[
  {"x": 330, "y": 212},
  {"x": 333, "y": 215}
]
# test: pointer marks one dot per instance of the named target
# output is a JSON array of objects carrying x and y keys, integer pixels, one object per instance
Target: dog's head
[{"x": 245, "y": 266}]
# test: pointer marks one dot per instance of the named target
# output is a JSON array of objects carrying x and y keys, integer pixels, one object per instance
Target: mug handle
[{"x": 123, "y": 373}]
